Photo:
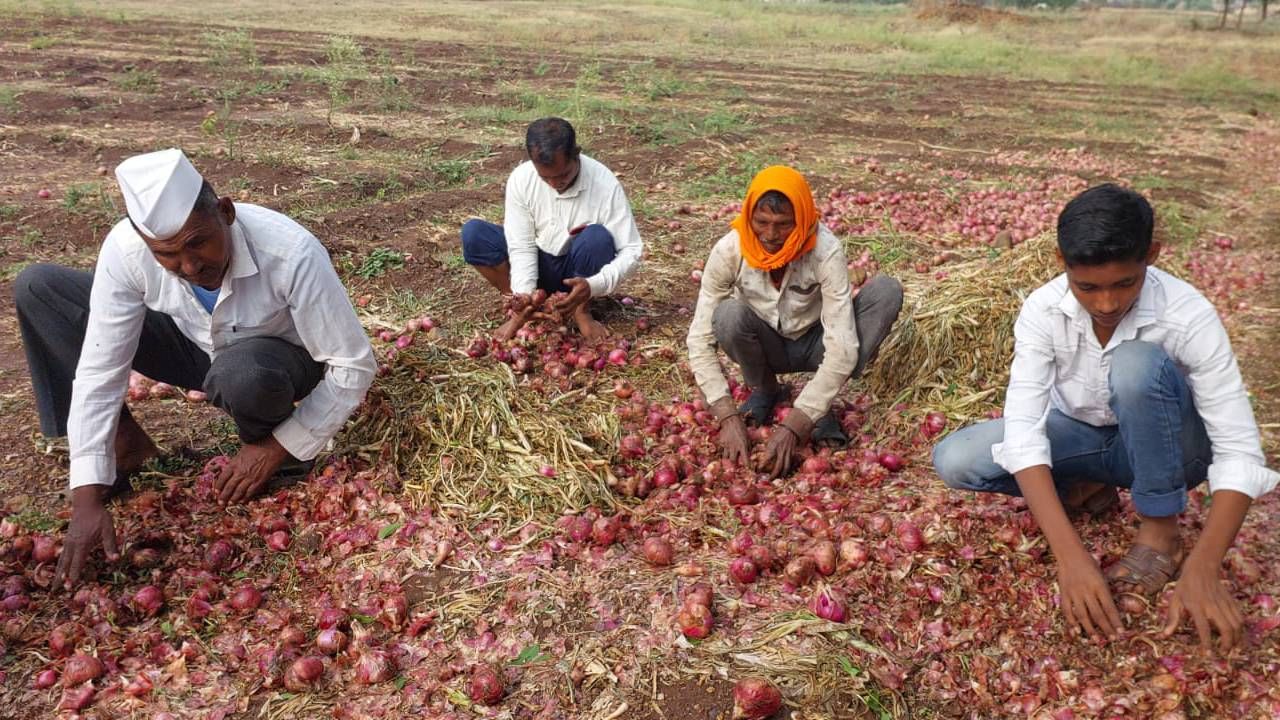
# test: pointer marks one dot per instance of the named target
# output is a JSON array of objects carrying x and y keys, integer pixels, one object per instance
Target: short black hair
[
  {"x": 548, "y": 137},
  {"x": 1106, "y": 223},
  {"x": 207, "y": 201},
  {"x": 775, "y": 201}
]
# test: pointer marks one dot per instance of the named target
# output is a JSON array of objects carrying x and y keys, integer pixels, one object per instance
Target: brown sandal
[{"x": 1144, "y": 571}]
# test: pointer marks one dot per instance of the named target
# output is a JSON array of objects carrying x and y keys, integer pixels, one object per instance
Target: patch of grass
[
  {"x": 137, "y": 80},
  {"x": 222, "y": 124},
  {"x": 454, "y": 261},
  {"x": 730, "y": 179},
  {"x": 9, "y": 98},
  {"x": 378, "y": 262},
  {"x": 89, "y": 198},
  {"x": 392, "y": 95},
  {"x": 541, "y": 68},
  {"x": 645, "y": 81},
  {"x": 10, "y": 271},
  {"x": 42, "y": 42},
  {"x": 229, "y": 47},
  {"x": 445, "y": 172},
  {"x": 343, "y": 51},
  {"x": 8, "y": 212},
  {"x": 35, "y": 520}
]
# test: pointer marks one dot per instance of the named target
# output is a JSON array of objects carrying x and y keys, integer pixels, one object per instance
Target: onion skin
[
  {"x": 755, "y": 698},
  {"x": 800, "y": 571},
  {"x": 246, "y": 598},
  {"x": 331, "y": 641},
  {"x": 743, "y": 570},
  {"x": 694, "y": 621},
  {"x": 374, "y": 666},
  {"x": 824, "y": 556},
  {"x": 147, "y": 601},
  {"x": 45, "y": 679}
]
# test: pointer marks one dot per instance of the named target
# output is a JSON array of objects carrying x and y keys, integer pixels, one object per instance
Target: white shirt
[
  {"x": 280, "y": 283},
  {"x": 538, "y": 217},
  {"x": 1057, "y": 360}
]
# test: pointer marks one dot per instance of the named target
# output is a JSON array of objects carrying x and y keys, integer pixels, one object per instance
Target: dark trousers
[
  {"x": 255, "y": 381},
  {"x": 763, "y": 352},
  {"x": 485, "y": 244}
]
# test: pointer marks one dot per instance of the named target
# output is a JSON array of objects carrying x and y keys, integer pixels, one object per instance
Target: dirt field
[{"x": 384, "y": 146}]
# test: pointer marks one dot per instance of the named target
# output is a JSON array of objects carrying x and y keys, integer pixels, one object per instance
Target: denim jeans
[
  {"x": 1158, "y": 450},
  {"x": 484, "y": 244}
]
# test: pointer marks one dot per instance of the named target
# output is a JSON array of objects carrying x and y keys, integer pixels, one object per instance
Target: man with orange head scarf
[{"x": 776, "y": 298}]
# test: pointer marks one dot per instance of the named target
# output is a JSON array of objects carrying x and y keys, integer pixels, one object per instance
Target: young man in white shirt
[
  {"x": 1122, "y": 376},
  {"x": 568, "y": 228},
  {"x": 202, "y": 293}
]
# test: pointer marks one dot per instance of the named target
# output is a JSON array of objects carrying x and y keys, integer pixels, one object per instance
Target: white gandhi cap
[{"x": 160, "y": 189}]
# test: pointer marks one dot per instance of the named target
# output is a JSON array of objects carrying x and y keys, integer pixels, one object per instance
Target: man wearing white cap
[{"x": 202, "y": 293}]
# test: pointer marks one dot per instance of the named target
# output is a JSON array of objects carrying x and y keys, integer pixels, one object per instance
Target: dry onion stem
[{"x": 464, "y": 435}]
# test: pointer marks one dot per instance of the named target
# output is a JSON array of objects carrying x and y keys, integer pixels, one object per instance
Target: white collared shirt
[
  {"x": 280, "y": 283},
  {"x": 1058, "y": 361},
  {"x": 538, "y": 217}
]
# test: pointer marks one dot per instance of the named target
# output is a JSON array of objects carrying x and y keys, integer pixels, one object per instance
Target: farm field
[{"x": 476, "y": 516}]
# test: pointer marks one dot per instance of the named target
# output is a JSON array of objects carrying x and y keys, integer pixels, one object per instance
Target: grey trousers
[
  {"x": 255, "y": 381},
  {"x": 762, "y": 352}
]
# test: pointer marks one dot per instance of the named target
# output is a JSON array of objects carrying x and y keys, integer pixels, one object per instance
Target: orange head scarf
[{"x": 791, "y": 183}]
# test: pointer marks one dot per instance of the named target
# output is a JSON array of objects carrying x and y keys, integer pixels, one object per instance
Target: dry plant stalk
[{"x": 464, "y": 436}]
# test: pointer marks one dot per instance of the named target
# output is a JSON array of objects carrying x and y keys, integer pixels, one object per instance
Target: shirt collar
[
  {"x": 242, "y": 264},
  {"x": 1146, "y": 311}
]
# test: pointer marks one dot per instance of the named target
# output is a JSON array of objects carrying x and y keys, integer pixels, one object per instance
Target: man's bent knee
[
  {"x": 478, "y": 245},
  {"x": 33, "y": 283},
  {"x": 731, "y": 319},
  {"x": 955, "y": 462},
  {"x": 1136, "y": 368}
]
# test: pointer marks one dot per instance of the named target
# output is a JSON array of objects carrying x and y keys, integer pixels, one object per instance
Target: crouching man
[{"x": 202, "y": 293}]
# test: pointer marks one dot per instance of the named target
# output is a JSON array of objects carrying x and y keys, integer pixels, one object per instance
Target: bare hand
[
  {"x": 1086, "y": 599},
  {"x": 779, "y": 452},
  {"x": 91, "y": 525},
  {"x": 522, "y": 309},
  {"x": 734, "y": 444},
  {"x": 1200, "y": 594},
  {"x": 579, "y": 293},
  {"x": 248, "y": 471}
]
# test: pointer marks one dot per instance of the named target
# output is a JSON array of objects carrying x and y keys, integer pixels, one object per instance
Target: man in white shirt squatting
[
  {"x": 202, "y": 293},
  {"x": 567, "y": 228},
  {"x": 775, "y": 296},
  {"x": 1122, "y": 376}
]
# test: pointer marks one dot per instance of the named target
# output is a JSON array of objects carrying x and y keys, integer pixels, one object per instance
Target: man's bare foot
[
  {"x": 133, "y": 447},
  {"x": 592, "y": 330},
  {"x": 1159, "y": 534},
  {"x": 507, "y": 330}
]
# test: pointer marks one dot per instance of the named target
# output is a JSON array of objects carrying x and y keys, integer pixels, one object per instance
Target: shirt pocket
[
  {"x": 1069, "y": 362},
  {"x": 271, "y": 323}
]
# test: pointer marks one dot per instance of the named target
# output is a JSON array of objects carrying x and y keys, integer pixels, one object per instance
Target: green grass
[
  {"x": 228, "y": 48},
  {"x": 8, "y": 98},
  {"x": 42, "y": 42},
  {"x": 137, "y": 80},
  {"x": 378, "y": 262}
]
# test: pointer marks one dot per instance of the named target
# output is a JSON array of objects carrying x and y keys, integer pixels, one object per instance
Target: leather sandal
[{"x": 1144, "y": 571}]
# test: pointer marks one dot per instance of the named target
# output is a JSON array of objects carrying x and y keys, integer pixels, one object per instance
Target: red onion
[
  {"x": 44, "y": 549},
  {"x": 246, "y": 598},
  {"x": 743, "y": 570},
  {"x": 292, "y": 636},
  {"x": 800, "y": 570},
  {"x": 64, "y": 638},
  {"x": 618, "y": 357},
  {"x": 827, "y": 607},
  {"x": 547, "y": 471},
  {"x": 879, "y": 524},
  {"x": 694, "y": 621},
  {"x": 45, "y": 679},
  {"x": 332, "y": 618},
  {"x": 761, "y": 556},
  {"x": 404, "y": 341},
  {"x": 824, "y": 556},
  {"x": 699, "y": 594},
  {"x": 853, "y": 553},
  {"x": 622, "y": 389},
  {"x": 219, "y": 555},
  {"x": 742, "y": 494},
  {"x": 665, "y": 477},
  {"x": 910, "y": 537},
  {"x": 580, "y": 528},
  {"x": 605, "y": 530},
  {"x": 755, "y": 698},
  {"x": 816, "y": 464},
  {"x": 741, "y": 543},
  {"x": 485, "y": 687},
  {"x": 395, "y": 611},
  {"x": 198, "y": 608},
  {"x": 331, "y": 641},
  {"x": 373, "y": 666},
  {"x": 303, "y": 674},
  {"x": 279, "y": 540},
  {"x": 657, "y": 551},
  {"x": 891, "y": 461},
  {"x": 13, "y": 585},
  {"x": 81, "y": 668},
  {"x": 147, "y": 601},
  {"x": 933, "y": 424}
]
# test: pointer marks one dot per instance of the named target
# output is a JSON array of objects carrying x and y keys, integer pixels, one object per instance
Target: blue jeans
[
  {"x": 484, "y": 244},
  {"x": 1158, "y": 449}
]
